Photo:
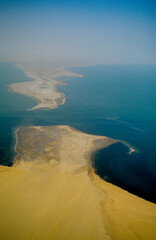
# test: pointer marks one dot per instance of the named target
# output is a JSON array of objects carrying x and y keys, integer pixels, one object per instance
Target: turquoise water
[{"x": 111, "y": 100}]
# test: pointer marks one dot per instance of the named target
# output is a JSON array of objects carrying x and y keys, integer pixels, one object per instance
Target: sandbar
[{"x": 43, "y": 88}]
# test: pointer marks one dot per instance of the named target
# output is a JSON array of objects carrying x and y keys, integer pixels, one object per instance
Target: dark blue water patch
[
  {"x": 12, "y": 103},
  {"x": 125, "y": 92},
  {"x": 132, "y": 172},
  {"x": 13, "y": 108}
]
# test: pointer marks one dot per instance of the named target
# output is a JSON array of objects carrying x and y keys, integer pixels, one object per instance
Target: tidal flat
[{"x": 44, "y": 87}]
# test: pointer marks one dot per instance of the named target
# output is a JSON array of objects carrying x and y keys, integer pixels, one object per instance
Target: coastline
[
  {"x": 44, "y": 87},
  {"x": 16, "y": 143},
  {"x": 59, "y": 196},
  {"x": 38, "y": 99},
  {"x": 57, "y": 190}
]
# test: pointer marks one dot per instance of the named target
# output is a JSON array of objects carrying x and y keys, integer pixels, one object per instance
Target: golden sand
[{"x": 52, "y": 192}]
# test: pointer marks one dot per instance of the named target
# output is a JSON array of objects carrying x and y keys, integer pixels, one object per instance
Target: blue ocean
[{"x": 117, "y": 101}]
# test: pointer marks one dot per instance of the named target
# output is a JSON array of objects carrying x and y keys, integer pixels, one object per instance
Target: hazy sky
[{"x": 117, "y": 31}]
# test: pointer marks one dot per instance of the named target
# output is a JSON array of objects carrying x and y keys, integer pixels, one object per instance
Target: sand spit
[
  {"x": 43, "y": 88},
  {"x": 52, "y": 192}
]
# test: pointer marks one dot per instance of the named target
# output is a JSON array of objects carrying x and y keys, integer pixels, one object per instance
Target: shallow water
[{"x": 111, "y": 100}]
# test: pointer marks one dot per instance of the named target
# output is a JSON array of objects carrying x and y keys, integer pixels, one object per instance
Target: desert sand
[
  {"x": 44, "y": 87},
  {"x": 53, "y": 193}
]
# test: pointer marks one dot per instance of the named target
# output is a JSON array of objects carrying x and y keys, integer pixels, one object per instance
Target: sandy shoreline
[
  {"x": 52, "y": 192},
  {"x": 44, "y": 87}
]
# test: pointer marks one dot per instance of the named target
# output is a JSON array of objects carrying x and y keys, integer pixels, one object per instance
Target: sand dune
[{"x": 52, "y": 192}]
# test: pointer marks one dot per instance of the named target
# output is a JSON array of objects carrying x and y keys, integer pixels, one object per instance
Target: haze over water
[
  {"x": 112, "y": 100},
  {"x": 78, "y": 32}
]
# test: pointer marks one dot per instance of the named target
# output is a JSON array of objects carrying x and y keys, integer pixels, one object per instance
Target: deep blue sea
[{"x": 118, "y": 101}]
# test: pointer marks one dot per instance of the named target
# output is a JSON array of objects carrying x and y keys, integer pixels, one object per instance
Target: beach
[{"x": 52, "y": 191}]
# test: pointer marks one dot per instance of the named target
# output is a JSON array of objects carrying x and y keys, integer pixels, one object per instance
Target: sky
[{"x": 78, "y": 32}]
